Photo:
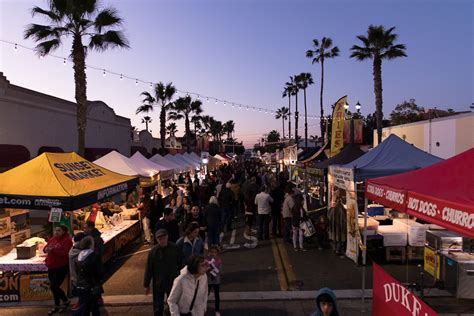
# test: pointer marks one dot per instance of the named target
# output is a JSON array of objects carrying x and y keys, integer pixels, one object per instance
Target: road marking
[
  {"x": 286, "y": 263},
  {"x": 279, "y": 267},
  {"x": 232, "y": 237},
  {"x": 253, "y": 241}
]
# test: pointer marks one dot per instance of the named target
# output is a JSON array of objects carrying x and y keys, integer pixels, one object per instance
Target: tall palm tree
[
  {"x": 197, "y": 121},
  {"x": 229, "y": 128},
  {"x": 146, "y": 120},
  {"x": 305, "y": 79},
  {"x": 172, "y": 128},
  {"x": 296, "y": 83},
  {"x": 145, "y": 108},
  {"x": 162, "y": 96},
  {"x": 379, "y": 44},
  {"x": 288, "y": 92},
  {"x": 282, "y": 113},
  {"x": 183, "y": 108},
  {"x": 321, "y": 52},
  {"x": 91, "y": 28}
]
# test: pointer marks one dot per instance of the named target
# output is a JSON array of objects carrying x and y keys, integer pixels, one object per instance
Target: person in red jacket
[{"x": 57, "y": 261}]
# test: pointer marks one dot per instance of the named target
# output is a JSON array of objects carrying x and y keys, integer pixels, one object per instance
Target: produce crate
[
  {"x": 395, "y": 253},
  {"x": 415, "y": 253},
  {"x": 25, "y": 252}
]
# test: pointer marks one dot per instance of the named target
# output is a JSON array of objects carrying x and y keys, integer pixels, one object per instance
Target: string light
[{"x": 199, "y": 96}]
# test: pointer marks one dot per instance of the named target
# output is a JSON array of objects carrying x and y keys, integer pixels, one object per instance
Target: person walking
[
  {"x": 73, "y": 253},
  {"x": 169, "y": 223},
  {"x": 89, "y": 276},
  {"x": 163, "y": 265},
  {"x": 288, "y": 204},
  {"x": 226, "y": 200},
  {"x": 263, "y": 201},
  {"x": 214, "y": 276},
  {"x": 145, "y": 214},
  {"x": 190, "y": 290},
  {"x": 326, "y": 304},
  {"x": 190, "y": 243},
  {"x": 298, "y": 214},
  {"x": 213, "y": 218},
  {"x": 57, "y": 250},
  {"x": 196, "y": 216},
  {"x": 90, "y": 230},
  {"x": 278, "y": 196}
]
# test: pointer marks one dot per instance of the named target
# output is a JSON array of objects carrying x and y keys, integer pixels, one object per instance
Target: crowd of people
[{"x": 184, "y": 228}]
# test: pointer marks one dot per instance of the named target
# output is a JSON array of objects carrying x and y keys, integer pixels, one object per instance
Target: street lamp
[{"x": 357, "y": 107}]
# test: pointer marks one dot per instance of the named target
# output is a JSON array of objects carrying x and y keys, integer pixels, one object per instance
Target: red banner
[
  {"x": 386, "y": 196},
  {"x": 452, "y": 216},
  {"x": 391, "y": 298}
]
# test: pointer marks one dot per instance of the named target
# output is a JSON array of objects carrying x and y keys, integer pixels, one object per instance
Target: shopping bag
[{"x": 308, "y": 227}]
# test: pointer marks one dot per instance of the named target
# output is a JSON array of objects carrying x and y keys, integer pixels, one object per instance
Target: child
[
  {"x": 214, "y": 275},
  {"x": 322, "y": 231}
]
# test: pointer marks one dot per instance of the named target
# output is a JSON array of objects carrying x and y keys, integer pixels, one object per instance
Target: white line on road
[{"x": 232, "y": 238}]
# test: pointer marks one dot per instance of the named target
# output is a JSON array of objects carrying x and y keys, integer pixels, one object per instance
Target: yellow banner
[
  {"x": 431, "y": 260},
  {"x": 337, "y": 136}
]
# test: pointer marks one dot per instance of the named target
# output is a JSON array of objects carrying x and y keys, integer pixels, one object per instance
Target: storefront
[
  {"x": 64, "y": 184},
  {"x": 442, "y": 194}
]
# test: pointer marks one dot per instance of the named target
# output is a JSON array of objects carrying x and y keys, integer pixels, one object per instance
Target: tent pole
[{"x": 364, "y": 253}]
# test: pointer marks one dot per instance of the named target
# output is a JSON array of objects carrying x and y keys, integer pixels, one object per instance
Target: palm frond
[
  {"x": 50, "y": 14},
  {"x": 44, "y": 48},
  {"x": 147, "y": 97},
  {"x": 110, "y": 39},
  {"x": 107, "y": 17}
]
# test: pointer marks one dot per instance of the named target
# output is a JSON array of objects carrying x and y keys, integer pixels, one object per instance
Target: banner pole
[{"x": 364, "y": 253}]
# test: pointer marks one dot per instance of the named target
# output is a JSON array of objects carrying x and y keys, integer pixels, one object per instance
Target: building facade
[
  {"x": 34, "y": 120},
  {"x": 443, "y": 137}
]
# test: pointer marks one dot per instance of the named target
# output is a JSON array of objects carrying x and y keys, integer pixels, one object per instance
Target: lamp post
[{"x": 357, "y": 107}]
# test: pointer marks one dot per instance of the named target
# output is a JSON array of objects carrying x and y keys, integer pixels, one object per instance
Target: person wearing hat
[{"x": 163, "y": 266}]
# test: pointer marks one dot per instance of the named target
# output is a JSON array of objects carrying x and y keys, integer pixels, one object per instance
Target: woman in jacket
[
  {"x": 190, "y": 243},
  {"x": 297, "y": 216},
  {"x": 189, "y": 293},
  {"x": 88, "y": 267},
  {"x": 57, "y": 261}
]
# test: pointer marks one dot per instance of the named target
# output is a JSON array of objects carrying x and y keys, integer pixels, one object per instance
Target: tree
[
  {"x": 163, "y": 94},
  {"x": 282, "y": 113},
  {"x": 288, "y": 92},
  {"x": 91, "y": 28},
  {"x": 320, "y": 53},
  {"x": 406, "y": 112},
  {"x": 197, "y": 121},
  {"x": 305, "y": 79},
  {"x": 273, "y": 137},
  {"x": 295, "y": 82},
  {"x": 183, "y": 108},
  {"x": 379, "y": 44},
  {"x": 229, "y": 128},
  {"x": 172, "y": 129},
  {"x": 146, "y": 120}
]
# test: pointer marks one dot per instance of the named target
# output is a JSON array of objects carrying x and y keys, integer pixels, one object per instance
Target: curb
[{"x": 141, "y": 299}]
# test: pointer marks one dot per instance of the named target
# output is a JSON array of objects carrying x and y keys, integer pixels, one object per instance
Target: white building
[
  {"x": 444, "y": 137},
  {"x": 33, "y": 120}
]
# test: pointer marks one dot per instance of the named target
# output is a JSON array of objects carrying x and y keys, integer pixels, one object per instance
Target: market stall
[
  {"x": 153, "y": 168},
  {"x": 188, "y": 167},
  {"x": 167, "y": 163},
  {"x": 60, "y": 183},
  {"x": 441, "y": 194},
  {"x": 345, "y": 184}
]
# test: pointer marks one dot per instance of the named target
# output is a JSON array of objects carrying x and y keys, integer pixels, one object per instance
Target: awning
[
  {"x": 442, "y": 194},
  {"x": 317, "y": 155},
  {"x": 350, "y": 153},
  {"x": 63, "y": 180}
]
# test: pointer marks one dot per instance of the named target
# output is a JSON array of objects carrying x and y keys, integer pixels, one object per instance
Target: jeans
[
  {"x": 56, "y": 277},
  {"x": 276, "y": 223},
  {"x": 263, "y": 223},
  {"x": 159, "y": 302},
  {"x": 146, "y": 229},
  {"x": 213, "y": 236},
  {"x": 217, "y": 296},
  {"x": 88, "y": 303},
  {"x": 298, "y": 235},
  {"x": 227, "y": 218},
  {"x": 287, "y": 228}
]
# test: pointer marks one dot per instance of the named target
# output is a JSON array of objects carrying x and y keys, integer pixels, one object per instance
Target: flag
[{"x": 337, "y": 135}]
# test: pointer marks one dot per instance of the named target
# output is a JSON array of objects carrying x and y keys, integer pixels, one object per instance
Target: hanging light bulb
[
  {"x": 207, "y": 99},
  {"x": 151, "y": 85},
  {"x": 16, "y": 47},
  {"x": 121, "y": 77},
  {"x": 225, "y": 103},
  {"x": 104, "y": 73},
  {"x": 64, "y": 61},
  {"x": 233, "y": 105},
  {"x": 85, "y": 69},
  {"x": 216, "y": 101},
  {"x": 136, "y": 82},
  {"x": 41, "y": 56}
]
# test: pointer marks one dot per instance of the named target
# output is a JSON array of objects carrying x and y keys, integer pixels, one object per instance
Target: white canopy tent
[
  {"x": 184, "y": 164},
  {"x": 193, "y": 157},
  {"x": 158, "y": 159},
  {"x": 190, "y": 160},
  {"x": 142, "y": 162}
]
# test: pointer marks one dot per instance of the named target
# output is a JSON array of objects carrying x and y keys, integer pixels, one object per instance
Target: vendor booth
[
  {"x": 392, "y": 156},
  {"x": 167, "y": 163},
  {"x": 61, "y": 183},
  {"x": 188, "y": 167},
  {"x": 153, "y": 168},
  {"x": 441, "y": 194}
]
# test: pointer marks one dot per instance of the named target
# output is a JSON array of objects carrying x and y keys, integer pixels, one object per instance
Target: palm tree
[
  {"x": 282, "y": 113},
  {"x": 145, "y": 108},
  {"x": 183, "y": 108},
  {"x": 288, "y": 92},
  {"x": 379, "y": 44},
  {"x": 197, "y": 121},
  {"x": 84, "y": 21},
  {"x": 146, "y": 120},
  {"x": 163, "y": 94},
  {"x": 305, "y": 79},
  {"x": 172, "y": 129},
  {"x": 229, "y": 128},
  {"x": 296, "y": 83},
  {"x": 319, "y": 54}
]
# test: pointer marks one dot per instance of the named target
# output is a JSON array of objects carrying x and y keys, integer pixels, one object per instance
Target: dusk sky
[{"x": 244, "y": 51}]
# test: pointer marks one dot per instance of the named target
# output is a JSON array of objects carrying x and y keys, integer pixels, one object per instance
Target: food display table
[{"x": 27, "y": 279}]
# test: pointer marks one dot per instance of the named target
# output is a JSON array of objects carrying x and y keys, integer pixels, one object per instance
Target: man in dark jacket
[
  {"x": 169, "y": 223},
  {"x": 90, "y": 230},
  {"x": 213, "y": 217},
  {"x": 226, "y": 200},
  {"x": 163, "y": 266}
]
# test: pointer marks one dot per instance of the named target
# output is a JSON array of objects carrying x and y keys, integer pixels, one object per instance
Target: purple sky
[{"x": 243, "y": 51}]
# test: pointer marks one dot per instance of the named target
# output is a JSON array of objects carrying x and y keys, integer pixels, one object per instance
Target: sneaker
[
  {"x": 75, "y": 306},
  {"x": 53, "y": 310},
  {"x": 295, "y": 249},
  {"x": 304, "y": 249}
]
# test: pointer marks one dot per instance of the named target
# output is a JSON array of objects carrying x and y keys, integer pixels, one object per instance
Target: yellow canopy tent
[{"x": 62, "y": 180}]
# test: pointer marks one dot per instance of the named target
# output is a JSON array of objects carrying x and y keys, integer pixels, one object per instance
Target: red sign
[
  {"x": 387, "y": 196},
  {"x": 450, "y": 215},
  {"x": 391, "y": 298}
]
